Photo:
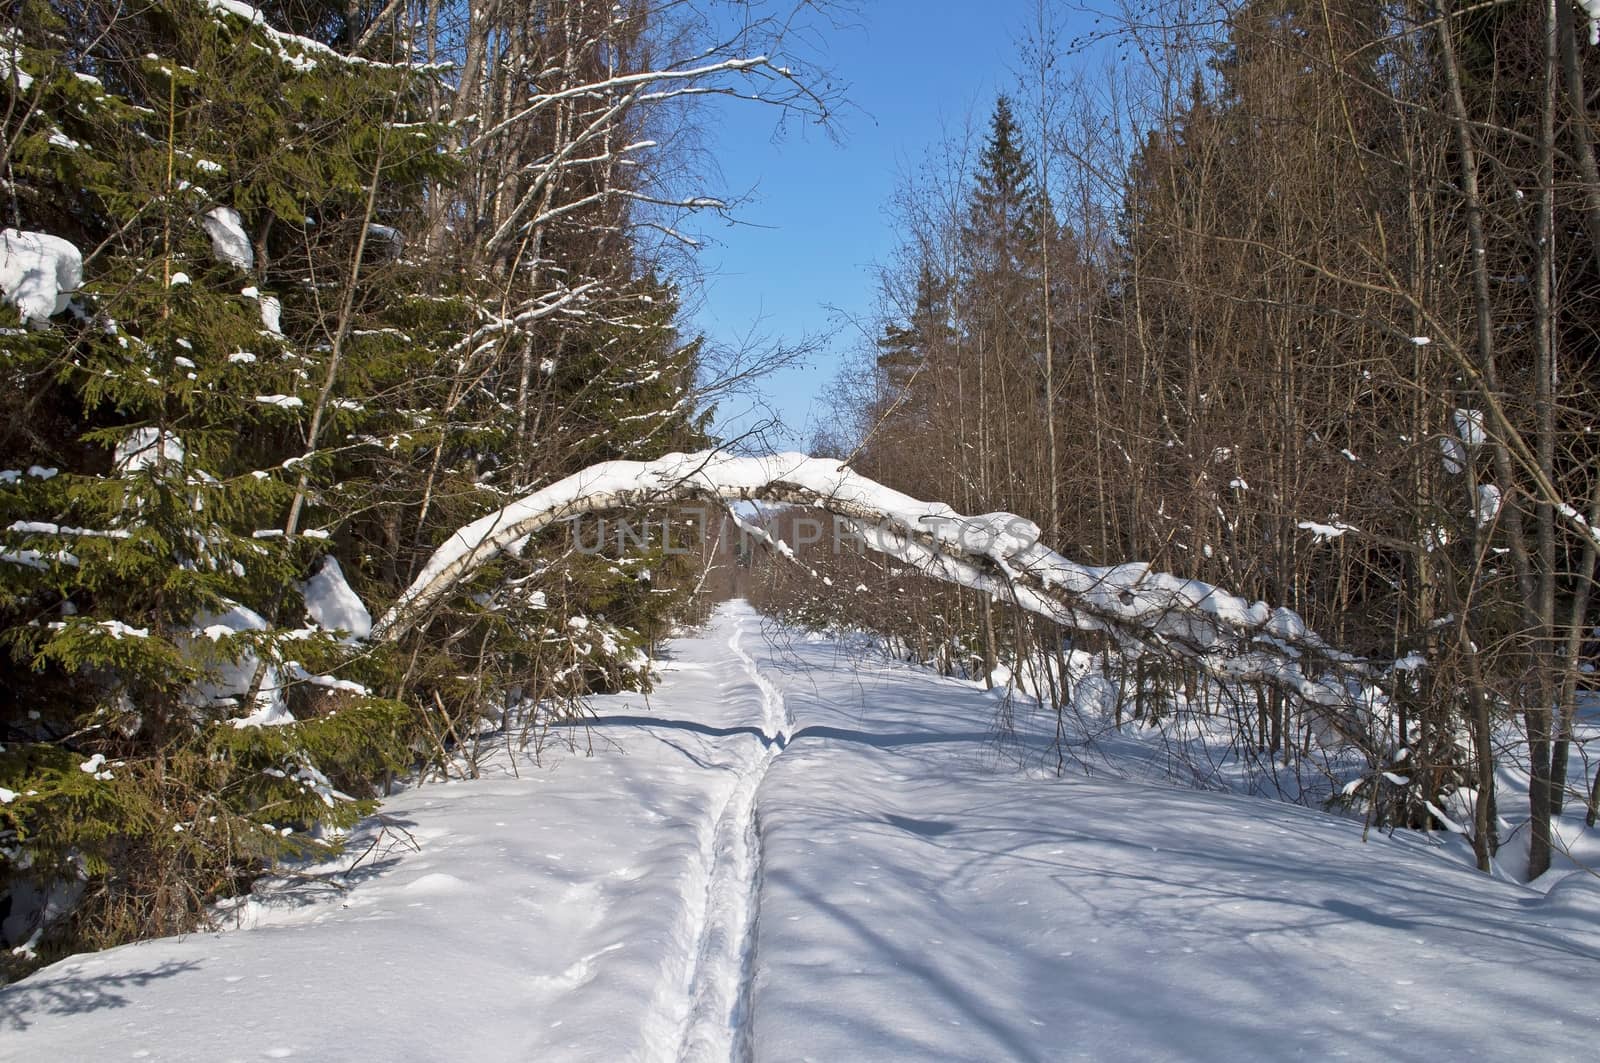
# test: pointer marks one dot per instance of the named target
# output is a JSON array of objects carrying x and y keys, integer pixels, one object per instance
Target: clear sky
[{"x": 801, "y": 261}]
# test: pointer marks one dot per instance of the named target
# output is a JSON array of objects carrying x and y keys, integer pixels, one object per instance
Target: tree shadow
[
  {"x": 877, "y": 740},
  {"x": 1362, "y": 914},
  {"x": 625, "y": 720},
  {"x": 925, "y": 828},
  {"x": 891, "y": 739},
  {"x": 75, "y": 994},
  {"x": 374, "y": 850}
]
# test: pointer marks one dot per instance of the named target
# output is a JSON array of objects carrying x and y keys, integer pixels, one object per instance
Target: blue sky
[{"x": 816, "y": 223}]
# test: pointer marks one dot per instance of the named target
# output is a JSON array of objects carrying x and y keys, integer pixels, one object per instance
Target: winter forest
[{"x": 1261, "y": 333}]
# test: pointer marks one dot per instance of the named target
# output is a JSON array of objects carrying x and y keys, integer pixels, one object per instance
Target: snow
[
  {"x": 1323, "y": 532},
  {"x": 1411, "y": 662},
  {"x": 144, "y": 447},
  {"x": 38, "y": 273},
  {"x": 229, "y": 680},
  {"x": 1592, "y": 9},
  {"x": 228, "y": 240},
  {"x": 296, "y": 51},
  {"x": 332, "y": 605},
  {"x": 991, "y": 533},
  {"x": 287, "y": 402},
  {"x": 1454, "y": 454},
  {"x": 271, "y": 311},
  {"x": 1469, "y": 427},
  {"x": 327, "y": 682},
  {"x": 1579, "y": 520},
  {"x": 96, "y": 767},
  {"x": 45, "y": 527},
  {"x": 296, "y": 60},
  {"x": 37, "y": 559},
  {"x": 792, "y": 852},
  {"x": 10, "y": 55},
  {"x": 1573, "y": 901},
  {"x": 1488, "y": 505}
]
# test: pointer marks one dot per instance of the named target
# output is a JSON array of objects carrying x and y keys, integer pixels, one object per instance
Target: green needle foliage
[{"x": 268, "y": 364}]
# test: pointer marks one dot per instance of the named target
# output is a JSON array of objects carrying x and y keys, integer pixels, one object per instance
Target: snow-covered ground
[{"x": 789, "y": 852}]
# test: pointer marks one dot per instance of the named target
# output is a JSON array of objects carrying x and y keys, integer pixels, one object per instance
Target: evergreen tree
[
  {"x": 324, "y": 320},
  {"x": 1001, "y": 231},
  {"x": 905, "y": 350},
  {"x": 168, "y": 723}
]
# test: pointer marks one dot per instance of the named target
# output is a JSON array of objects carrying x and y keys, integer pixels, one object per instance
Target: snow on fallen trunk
[
  {"x": 38, "y": 273},
  {"x": 997, "y": 553}
]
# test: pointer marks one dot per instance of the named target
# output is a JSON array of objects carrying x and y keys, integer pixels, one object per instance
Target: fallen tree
[{"x": 1000, "y": 554}]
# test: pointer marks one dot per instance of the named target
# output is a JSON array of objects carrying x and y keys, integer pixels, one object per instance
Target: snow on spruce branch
[
  {"x": 292, "y": 48},
  {"x": 549, "y": 303},
  {"x": 38, "y": 273}
]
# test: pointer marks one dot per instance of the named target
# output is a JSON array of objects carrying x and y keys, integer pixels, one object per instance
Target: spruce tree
[
  {"x": 168, "y": 726},
  {"x": 1002, "y": 215},
  {"x": 286, "y": 372}
]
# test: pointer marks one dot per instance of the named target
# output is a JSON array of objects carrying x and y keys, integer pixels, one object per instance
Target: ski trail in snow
[
  {"x": 776, "y": 718},
  {"x": 718, "y": 1025}
]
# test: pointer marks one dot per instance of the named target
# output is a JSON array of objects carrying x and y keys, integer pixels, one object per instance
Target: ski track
[{"x": 717, "y": 1023}]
